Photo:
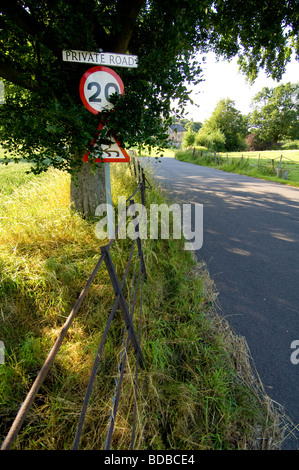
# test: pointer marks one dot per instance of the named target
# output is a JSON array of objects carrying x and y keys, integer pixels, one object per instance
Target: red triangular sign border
[{"x": 125, "y": 158}]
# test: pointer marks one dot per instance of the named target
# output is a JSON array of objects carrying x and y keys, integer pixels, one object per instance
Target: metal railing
[{"x": 130, "y": 335}]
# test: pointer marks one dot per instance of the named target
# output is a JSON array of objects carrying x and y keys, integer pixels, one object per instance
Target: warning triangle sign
[{"x": 111, "y": 147}]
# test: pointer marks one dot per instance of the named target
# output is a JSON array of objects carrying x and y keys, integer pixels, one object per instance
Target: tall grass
[{"x": 197, "y": 391}]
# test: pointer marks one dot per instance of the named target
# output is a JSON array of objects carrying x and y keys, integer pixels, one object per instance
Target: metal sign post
[{"x": 109, "y": 201}]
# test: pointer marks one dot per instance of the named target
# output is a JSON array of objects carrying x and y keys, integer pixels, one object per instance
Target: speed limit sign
[{"x": 96, "y": 87}]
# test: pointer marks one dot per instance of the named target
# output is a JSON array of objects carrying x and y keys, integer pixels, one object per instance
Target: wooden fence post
[{"x": 279, "y": 167}]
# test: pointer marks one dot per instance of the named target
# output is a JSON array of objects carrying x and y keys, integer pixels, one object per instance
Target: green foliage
[
  {"x": 47, "y": 123},
  {"x": 225, "y": 130},
  {"x": 264, "y": 33},
  {"x": 262, "y": 165},
  {"x": 11, "y": 180},
  {"x": 276, "y": 112},
  {"x": 46, "y": 132},
  {"x": 44, "y": 120},
  {"x": 290, "y": 145},
  {"x": 192, "y": 126},
  {"x": 213, "y": 140},
  {"x": 188, "y": 139}
]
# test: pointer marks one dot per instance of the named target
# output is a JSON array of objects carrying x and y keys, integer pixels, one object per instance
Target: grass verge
[
  {"x": 250, "y": 164},
  {"x": 198, "y": 391}
]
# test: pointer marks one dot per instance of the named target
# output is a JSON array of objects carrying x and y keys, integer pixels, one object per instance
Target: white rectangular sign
[{"x": 101, "y": 58}]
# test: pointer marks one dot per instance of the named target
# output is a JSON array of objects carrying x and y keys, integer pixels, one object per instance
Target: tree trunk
[{"x": 88, "y": 189}]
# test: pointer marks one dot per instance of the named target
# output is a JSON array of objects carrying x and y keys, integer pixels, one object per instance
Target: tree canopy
[
  {"x": 44, "y": 120},
  {"x": 226, "y": 129},
  {"x": 276, "y": 113}
]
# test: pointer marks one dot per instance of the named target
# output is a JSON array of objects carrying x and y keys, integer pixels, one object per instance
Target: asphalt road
[{"x": 251, "y": 248}]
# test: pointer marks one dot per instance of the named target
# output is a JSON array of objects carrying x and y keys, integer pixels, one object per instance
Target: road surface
[{"x": 251, "y": 248}]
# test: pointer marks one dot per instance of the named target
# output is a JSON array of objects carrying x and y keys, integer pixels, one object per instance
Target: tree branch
[
  {"x": 126, "y": 15},
  {"x": 101, "y": 37},
  {"x": 13, "y": 75},
  {"x": 25, "y": 21}
]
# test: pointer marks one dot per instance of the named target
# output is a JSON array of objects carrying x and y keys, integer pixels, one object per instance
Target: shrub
[
  {"x": 254, "y": 143},
  {"x": 290, "y": 145},
  {"x": 214, "y": 140},
  {"x": 188, "y": 139}
]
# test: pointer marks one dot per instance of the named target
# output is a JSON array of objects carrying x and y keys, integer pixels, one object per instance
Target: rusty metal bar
[
  {"x": 122, "y": 302},
  {"x": 16, "y": 426},
  {"x": 142, "y": 187},
  {"x": 93, "y": 375},
  {"x": 122, "y": 370},
  {"x": 140, "y": 251},
  {"x": 122, "y": 221},
  {"x": 115, "y": 407},
  {"x": 131, "y": 334},
  {"x": 136, "y": 368},
  {"x": 98, "y": 358}
]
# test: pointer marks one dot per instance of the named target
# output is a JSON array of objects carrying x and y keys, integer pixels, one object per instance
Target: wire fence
[
  {"x": 127, "y": 307},
  {"x": 280, "y": 166}
]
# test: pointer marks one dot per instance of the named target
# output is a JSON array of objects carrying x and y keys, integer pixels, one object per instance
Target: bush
[
  {"x": 254, "y": 143},
  {"x": 214, "y": 140},
  {"x": 188, "y": 139},
  {"x": 290, "y": 145}
]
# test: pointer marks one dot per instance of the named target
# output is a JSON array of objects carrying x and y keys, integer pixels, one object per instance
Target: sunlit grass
[
  {"x": 266, "y": 154},
  {"x": 191, "y": 394},
  {"x": 263, "y": 165},
  {"x": 13, "y": 176}
]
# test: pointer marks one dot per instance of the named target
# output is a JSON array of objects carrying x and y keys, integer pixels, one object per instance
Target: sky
[{"x": 223, "y": 80}]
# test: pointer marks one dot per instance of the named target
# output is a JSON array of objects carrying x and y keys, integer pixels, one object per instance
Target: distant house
[{"x": 175, "y": 134}]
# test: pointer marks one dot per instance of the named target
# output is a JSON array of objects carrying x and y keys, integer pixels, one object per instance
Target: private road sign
[
  {"x": 101, "y": 58},
  {"x": 96, "y": 86}
]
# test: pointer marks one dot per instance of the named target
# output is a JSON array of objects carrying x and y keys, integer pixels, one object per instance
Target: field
[
  {"x": 167, "y": 153},
  {"x": 265, "y": 165},
  {"x": 198, "y": 390},
  {"x": 267, "y": 154},
  {"x": 287, "y": 159}
]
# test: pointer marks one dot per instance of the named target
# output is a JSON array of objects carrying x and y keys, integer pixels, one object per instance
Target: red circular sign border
[{"x": 99, "y": 68}]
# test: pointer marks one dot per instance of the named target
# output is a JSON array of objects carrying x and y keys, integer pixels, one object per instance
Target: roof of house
[{"x": 177, "y": 128}]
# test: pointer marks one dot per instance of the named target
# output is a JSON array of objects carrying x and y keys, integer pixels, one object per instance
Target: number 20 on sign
[{"x": 96, "y": 86}]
